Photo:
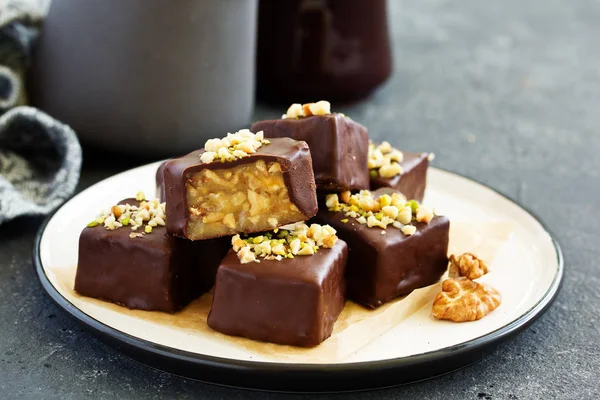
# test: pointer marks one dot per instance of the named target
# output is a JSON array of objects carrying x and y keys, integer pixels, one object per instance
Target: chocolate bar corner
[{"x": 339, "y": 148}]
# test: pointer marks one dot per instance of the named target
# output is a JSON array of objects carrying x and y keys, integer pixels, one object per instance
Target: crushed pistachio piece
[
  {"x": 148, "y": 229},
  {"x": 384, "y": 160},
  {"x": 93, "y": 223},
  {"x": 291, "y": 240},
  {"x": 140, "y": 196},
  {"x": 413, "y": 204},
  {"x": 233, "y": 147},
  {"x": 384, "y": 211}
]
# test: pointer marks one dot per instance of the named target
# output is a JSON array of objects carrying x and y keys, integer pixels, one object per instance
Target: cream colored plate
[{"x": 525, "y": 268}]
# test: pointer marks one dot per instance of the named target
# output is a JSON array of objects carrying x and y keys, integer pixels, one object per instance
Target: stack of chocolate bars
[{"x": 287, "y": 220}]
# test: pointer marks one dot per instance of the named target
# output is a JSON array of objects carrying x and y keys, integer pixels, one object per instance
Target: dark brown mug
[{"x": 310, "y": 50}]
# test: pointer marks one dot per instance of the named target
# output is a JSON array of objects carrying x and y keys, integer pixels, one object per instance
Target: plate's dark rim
[{"x": 238, "y": 366}]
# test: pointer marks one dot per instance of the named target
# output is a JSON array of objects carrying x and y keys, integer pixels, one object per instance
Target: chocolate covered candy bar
[
  {"x": 292, "y": 301},
  {"x": 401, "y": 171},
  {"x": 339, "y": 146},
  {"x": 144, "y": 268},
  {"x": 395, "y": 246},
  {"x": 241, "y": 183}
]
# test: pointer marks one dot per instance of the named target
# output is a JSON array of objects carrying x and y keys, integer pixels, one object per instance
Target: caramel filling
[{"x": 247, "y": 198}]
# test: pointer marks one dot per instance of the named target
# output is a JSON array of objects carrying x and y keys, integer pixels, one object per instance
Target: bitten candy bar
[
  {"x": 140, "y": 270},
  {"x": 292, "y": 301},
  {"x": 401, "y": 171},
  {"x": 241, "y": 183},
  {"x": 395, "y": 246},
  {"x": 339, "y": 147}
]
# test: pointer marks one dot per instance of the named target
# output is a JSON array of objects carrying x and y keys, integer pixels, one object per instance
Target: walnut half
[
  {"x": 463, "y": 300},
  {"x": 468, "y": 265}
]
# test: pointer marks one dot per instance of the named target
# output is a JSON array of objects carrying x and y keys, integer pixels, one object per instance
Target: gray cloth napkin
[{"x": 40, "y": 158}]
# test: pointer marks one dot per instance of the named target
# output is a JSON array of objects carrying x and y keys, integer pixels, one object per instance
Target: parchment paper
[{"x": 356, "y": 326}]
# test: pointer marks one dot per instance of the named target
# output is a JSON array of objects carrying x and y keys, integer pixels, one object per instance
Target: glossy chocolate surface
[
  {"x": 292, "y": 301},
  {"x": 296, "y": 165},
  {"x": 339, "y": 147},
  {"x": 312, "y": 50},
  {"x": 152, "y": 272},
  {"x": 383, "y": 267},
  {"x": 160, "y": 182},
  {"x": 413, "y": 180}
]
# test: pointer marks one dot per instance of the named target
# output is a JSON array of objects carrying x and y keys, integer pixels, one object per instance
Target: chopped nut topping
[
  {"x": 468, "y": 265},
  {"x": 380, "y": 212},
  {"x": 463, "y": 300},
  {"x": 409, "y": 230},
  {"x": 306, "y": 110},
  {"x": 294, "y": 111},
  {"x": 384, "y": 160},
  {"x": 232, "y": 147},
  {"x": 332, "y": 201},
  {"x": 295, "y": 240},
  {"x": 246, "y": 255},
  {"x": 148, "y": 212},
  {"x": 424, "y": 214},
  {"x": 319, "y": 108},
  {"x": 116, "y": 211}
]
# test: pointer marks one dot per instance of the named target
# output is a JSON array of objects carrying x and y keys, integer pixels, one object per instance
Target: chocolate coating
[
  {"x": 383, "y": 267},
  {"x": 160, "y": 182},
  {"x": 293, "y": 301},
  {"x": 412, "y": 181},
  {"x": 338, "y": 145},
  {"x": 296, "y": 165},
  {"x": 152, "y": 272}
]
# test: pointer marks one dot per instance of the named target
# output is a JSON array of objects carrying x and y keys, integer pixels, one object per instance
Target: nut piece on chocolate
[
  {"x": 464, "y": 300},
  {"x": 339, "y": 147},
  {"x": 396, "y": 247},
  {"x": 141, "y": 270},
  {"x": 467, "y": 265},
  {"x": 292, "y": 301},
  {"x": 402, "y": 171},
  {"x": 221, "y": 194}
]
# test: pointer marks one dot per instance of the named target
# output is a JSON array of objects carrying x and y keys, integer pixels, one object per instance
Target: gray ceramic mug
[{"x": 147, "y": 76}]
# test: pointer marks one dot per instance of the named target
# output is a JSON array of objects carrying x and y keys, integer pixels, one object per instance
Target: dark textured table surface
[{"x": 506, "y": 92}]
